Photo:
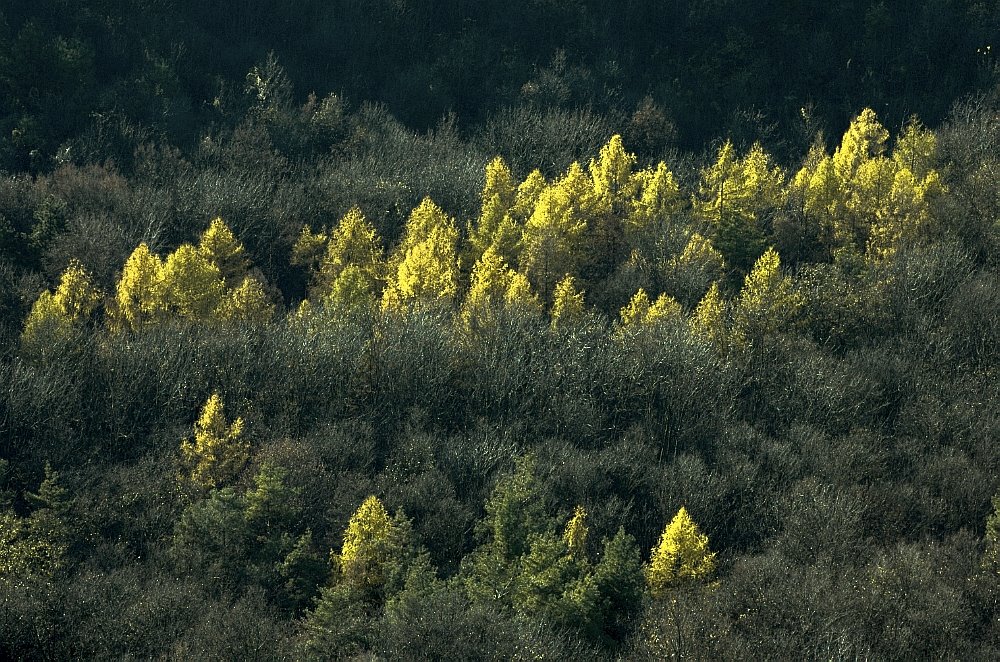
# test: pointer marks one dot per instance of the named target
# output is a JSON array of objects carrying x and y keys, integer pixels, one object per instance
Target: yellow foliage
[
  {"x": 734, "y": 189},
  {"x": 218, "y": 451},
  {"x": 567, "y": 303},
  {"x": 425, "y": 266},
  {"x": 54, "y": 316},
  {"x": 367, "y": 541},
  {"x": 246, "y": 303},
  {"x": 493, "y": 284},
  {"x": 611, "y": 173},
  {"x": 575, "y": 535},
  {"x": 767, "y": 300},
  {"x": 193, "y": 284},
  {"x": 141, "y": 295},
  {"x": 527, "y": 195},
  {"x": 709, "y": 318},
  {"x": 552, "y": 243},
  {"x": 220, "y": 246},
  {"x": 659, "y": 198},
  {"x": 496, "y": 226},
  {"x": 681, "y": 557},
  {"x": 641, "y": 312},
  {"x": 354, "y": 246},
  {"x": 309, "y": 248}
]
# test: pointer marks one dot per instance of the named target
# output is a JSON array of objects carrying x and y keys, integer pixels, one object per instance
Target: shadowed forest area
[{"x": 544, "y": 329}]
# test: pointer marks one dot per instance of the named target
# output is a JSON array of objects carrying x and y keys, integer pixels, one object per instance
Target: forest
[{"x": 544, "y": 329}]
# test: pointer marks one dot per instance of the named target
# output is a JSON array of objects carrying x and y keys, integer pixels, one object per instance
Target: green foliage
[{"x": 991, "y": 541}]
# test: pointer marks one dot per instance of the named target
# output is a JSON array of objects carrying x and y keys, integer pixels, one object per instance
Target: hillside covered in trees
[{"x": 534, "y": 330}]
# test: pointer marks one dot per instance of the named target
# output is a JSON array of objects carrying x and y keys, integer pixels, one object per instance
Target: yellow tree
[
  {"x": 495, "y": 284},
  {"x": 768, "y": 301},
  {"x": 567, "y": 303},
  {"x": 575, "y": 535},
  {"x": 680, "y": 558},
  {"x": 496, "y": 225},
  {"x": 218, "y": 451},
  {"x": 246, "y": 303},
  {"x": 659, "y": 198},
  {"x": 424, "y": 267},
  {"x": 351, "y": 269},
  {"x": 708, "y": 321},
  {"x": 220, "y": 246},
  {"x": 614, "y": 187},
  {"x": 734, "y": 197},
  {"x": 193, "y": 284},
  {"x": 56, "y": 316},
  {"x": 553, "y": 240},
  {"x": 527, "y": 196},
  {"x": 140, "y": 297},
  {"x": 367, "y": 545},
  {"x": 690, "y": 273},
  {"x": 640, "y": 312}
]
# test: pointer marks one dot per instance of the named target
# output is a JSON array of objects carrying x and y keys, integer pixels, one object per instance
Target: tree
[
  {"x": 689, "y": 274},
  {"x": 553, "y": 240},
  {"x": 991, "y": 541},
  {"x": 575, "y": 535},
  {"x": 496, "y": 226},
  {"x": 193, "y": 284},
  {"x": 709, "y": 318},
  {"x": 567, "y": 303},
  {"x": 246, "y": 303},
  {"x": 681, "y": 557},
  {"x": 495, "y": 285},
  {"x": 768, "y": 301},
  {"x": 614, "y": 187},
  {"x": 220, "y": 246},
  {"x": 218, "y": 451},
  {"x": 659, "y": 198},
  {"x": 735, "y": 197},
  {"x": 351, "y": 268},
  {"x": 57, "y": 316},
  {"x": 140, "y": 297},
  {"x": 641, "y": 313},
  {"x": 424, "y": 268}
]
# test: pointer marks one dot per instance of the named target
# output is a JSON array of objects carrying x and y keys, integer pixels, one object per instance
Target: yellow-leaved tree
[
  {"x": 497, "y": 226},
  {"x": 553, "y": 240},
  {"x": 640, "y": 312},
  {"x": 575, "y": 535},
  {"x": 56, "y": 316},
  {"x": 735, "y": 197},
  {"x": 220, "y": 246},
  {"x": 680, "y": 558},
  {"x": 351, "y": 271},
  {"x": 567, "y": 303},
  {"x": 768, "y": 301},
  {"x": 708, "y": 321},
  {"x": 140, "y": 297},
  {"x": 192, "y": 283},
  {"x": 689, "y": 274},
  {"x": 218, "y": 451},
  {"x": 495, "y": 285},
  {"x": 613, "y": 190},
  {"x": 424, "y": 267},
  {"x": 658, "y": 199}
]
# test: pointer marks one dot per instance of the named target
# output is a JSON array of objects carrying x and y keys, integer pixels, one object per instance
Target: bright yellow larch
[
  {"x": 709, "y": 318},
  {"x": 366, "y": 543},
  {"x": 309, "y": 248},
  {"x": 567, "y": 303},
  {"x": 575, "y": 535},
  {"x": 496, "y": 225},
  {"x": 425, "y": 266},
  {"x": 659, "y": 197},
  {"x": 640, "y": 311},
  {"x": 768, "y": 301},
  {"x": 140, "y": 297},
  {"x": 495, "y": 284},
  {"x": 218, "y": 451},
  {"x": 55, "y": 315},
  {"x": 527, "y": 195},
  {"x": 220, "y": 246},
  {"x": 553, "y": 240},
  {"x": 681, "y": 557},
  {"x": 355, "y": 247},
  {"x": 611, "y": 173},
  {"x": 864, "y": 140},
  {"x": 193, "y": 285},
  {"x": 246, "y": 303}
]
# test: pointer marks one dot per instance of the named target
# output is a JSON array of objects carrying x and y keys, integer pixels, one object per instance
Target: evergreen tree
[{"x": 681, "y": 557}]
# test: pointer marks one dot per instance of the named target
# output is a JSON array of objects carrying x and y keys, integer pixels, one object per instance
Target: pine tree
[
  {"x": 735, "y": 196},
  {"x": 424, "y": 267},
  {"x": 218, "y": 451},
  {"x": 681, "y": 557},
  {"x": 193, "y": 284},
  {"x": 709, "y": 318},
  {"x": 56, "y": 316},
  {"x": 495, "y": 285},
  {"x": 768, "y": 301}
]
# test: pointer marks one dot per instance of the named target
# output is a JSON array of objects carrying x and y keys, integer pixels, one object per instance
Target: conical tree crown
[
  {"x": 681, "y": 557},
  {"x": 140, "y": 295},
  {"x": 220, "y": 246},
  {"x": 368, "y": 545},
  {"x": 575, "y": 535},
  {"x": 55, "y": 315},
  {"x": 567, "y": 303},
  {"x": 218, "y": 451}
]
